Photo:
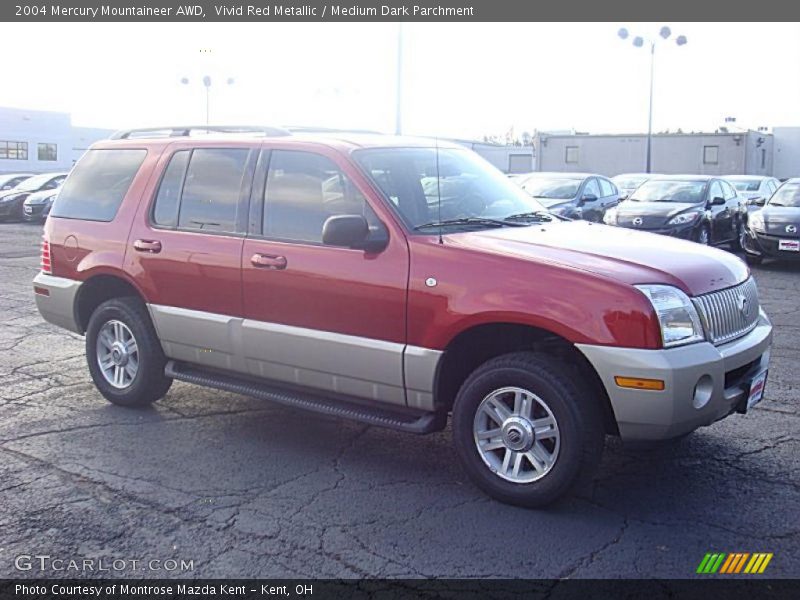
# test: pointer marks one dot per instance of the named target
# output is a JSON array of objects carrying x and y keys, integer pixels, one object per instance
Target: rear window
[{"x": 98, "y": 183}]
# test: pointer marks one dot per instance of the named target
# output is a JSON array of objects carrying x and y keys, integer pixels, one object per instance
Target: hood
[
  {"x": 11, "y": 195},
  {"x": 41, "y": 197},
  {"x": 554, "y": 202},
  {"x": 621, "y": 254}
]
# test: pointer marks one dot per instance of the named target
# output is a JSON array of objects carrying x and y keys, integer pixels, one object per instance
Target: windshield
[
  {"x": 628, "y": 183},
  {"x": 690, "y": 192},
  {"x": 787, "y": 195},
  {"x": 470, "y": 188},
  {"x": 33, "y": 183},
  {"x": 747, "y": 185},
  {"x": 548, "y": 189}
]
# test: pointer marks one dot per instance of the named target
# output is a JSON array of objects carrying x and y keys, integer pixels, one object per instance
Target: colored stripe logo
[{"x": 734, "y": 563}]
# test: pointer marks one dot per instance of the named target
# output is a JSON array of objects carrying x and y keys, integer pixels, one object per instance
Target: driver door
[{"x": 590, "y": 201}]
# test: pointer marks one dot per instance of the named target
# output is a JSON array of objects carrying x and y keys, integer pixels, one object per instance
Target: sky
[{"x": 459, "y": 80}]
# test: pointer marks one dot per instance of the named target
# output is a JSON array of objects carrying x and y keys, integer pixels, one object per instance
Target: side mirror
[
  {"x": 353, "y": 231},
  {"x": 757, "y": 201},
  {"x": 587, "y": 198},
  {"x": 718, "y": 201},
  {"x": 623, "y": 196}
]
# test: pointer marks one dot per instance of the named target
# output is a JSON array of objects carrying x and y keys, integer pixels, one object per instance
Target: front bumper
[
  {"x": 55, "y": 299},
  {"x": 685, "y": 232},
  {"x": 760, "y": 244},
  {"x": 34, "y": 212},
  {"x": 12, "y": 208},
  {"x": 726, "y": 372}
]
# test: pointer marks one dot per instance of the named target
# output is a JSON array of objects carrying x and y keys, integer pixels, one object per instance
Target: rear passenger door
[
  {"x": 185, "y": 250},
  {"x": 325, "y": 317},
  {"x": 610, "y": 195}
]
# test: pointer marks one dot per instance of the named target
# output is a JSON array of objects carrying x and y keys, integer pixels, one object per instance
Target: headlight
[
  {"x": 680, "y": 323},
  {"x": 756, "y": 222},
  {"x": 610, "y": 218},
  {"x": 684, "y": 218}
]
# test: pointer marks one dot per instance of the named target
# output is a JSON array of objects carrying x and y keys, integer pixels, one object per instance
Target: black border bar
[{"x": 396, "y": 10}]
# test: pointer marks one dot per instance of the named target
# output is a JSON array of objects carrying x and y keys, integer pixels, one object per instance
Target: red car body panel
[{"x": 549, "y": 276}]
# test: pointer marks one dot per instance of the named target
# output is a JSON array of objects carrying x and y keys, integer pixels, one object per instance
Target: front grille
[
  {"x": 648, "y": 222},
  {"x": 730, "y": 313}
]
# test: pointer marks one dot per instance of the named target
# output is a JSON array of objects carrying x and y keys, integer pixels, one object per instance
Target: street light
[
  {"x": 207, "y": 84},
  {"x": 638, "y": 41}
]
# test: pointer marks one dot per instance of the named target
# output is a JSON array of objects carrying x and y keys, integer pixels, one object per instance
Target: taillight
[{"x": 47, "y": 264}]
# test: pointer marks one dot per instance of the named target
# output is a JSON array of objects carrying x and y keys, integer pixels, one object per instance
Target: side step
[{"x": 400, "y": 421}]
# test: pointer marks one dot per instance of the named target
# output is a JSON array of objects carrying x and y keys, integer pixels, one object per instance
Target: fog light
[
  {"x": 702, "y": 391},
  {"x": 637, "y": 383}
]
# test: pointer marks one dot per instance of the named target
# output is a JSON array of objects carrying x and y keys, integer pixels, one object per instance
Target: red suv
[{"x": 395, "y": 282}]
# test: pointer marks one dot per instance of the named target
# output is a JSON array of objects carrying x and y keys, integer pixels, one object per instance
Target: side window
[
  {"x": 730, "y": 193},
  {"x": 212, "y": 189},
  {"x": 165, "y": 211},
  {"x": 303, "y": 189},
  {"x": 715, "y": 191},
  {"x": 571, "y": 154},
  {"x": 592, "y": 188},
  {"x": 97, "y": 185},
  {"x": 606, "y": 187}
]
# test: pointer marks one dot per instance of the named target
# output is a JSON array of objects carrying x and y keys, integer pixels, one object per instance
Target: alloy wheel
[{"x": 117, "y": 354}]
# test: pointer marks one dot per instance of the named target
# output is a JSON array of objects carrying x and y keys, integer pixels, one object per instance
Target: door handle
[
  {"x": 268, "y": 261},
  {"x": 151, "y": 246}
]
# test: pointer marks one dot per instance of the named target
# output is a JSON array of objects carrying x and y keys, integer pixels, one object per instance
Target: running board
[{"x": 410, "y": 423}]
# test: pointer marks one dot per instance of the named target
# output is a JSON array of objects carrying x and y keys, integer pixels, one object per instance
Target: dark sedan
[
  {"x": 12, "y": 201},
  {"x": 573, "y": 195},
  {"x": 773, "y": 231},
  {"x": 702, "y": 208}
]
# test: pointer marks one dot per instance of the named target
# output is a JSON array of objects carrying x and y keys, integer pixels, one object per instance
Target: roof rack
[
  {"x": 312, "y": 129},
  {"x": 185, "y": 131}
]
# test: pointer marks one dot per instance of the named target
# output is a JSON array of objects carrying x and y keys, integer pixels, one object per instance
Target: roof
[
  {"x": 684, "y": 177},
  {"x": 561, "y": 174},
  {"x": 746, "y": 177}
]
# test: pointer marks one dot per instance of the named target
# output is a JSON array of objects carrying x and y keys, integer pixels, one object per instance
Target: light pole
[
  {"x": 398, "y": 126},
  {"x": 207, "y": 84},
  {"x": 638, "y": 42}
]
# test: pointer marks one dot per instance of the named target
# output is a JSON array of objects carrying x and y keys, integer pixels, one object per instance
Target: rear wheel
[
  {"x": 124, "y": 354},
  {"x": 525, "y": 430}
]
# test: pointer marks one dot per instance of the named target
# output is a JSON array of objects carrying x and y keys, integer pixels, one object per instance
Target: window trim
[
  {"x": 243, "y": 202},
  {"x": 18, "y": 145}
]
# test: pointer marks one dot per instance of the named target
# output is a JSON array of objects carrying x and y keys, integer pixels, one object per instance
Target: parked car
[
  {"x": 11, "y": 201},
  {"x": 773, "y": 231},
  {"x": 574, "y": 195},
  {"x": 754, "y": 189},
  {"x": 702, "y": 208},
  {"x": 37, "y": 206},
  {"x": 9, "y": 181},
  {"x": 233, "y": 262},
  {"x": 628, "y": 182}
]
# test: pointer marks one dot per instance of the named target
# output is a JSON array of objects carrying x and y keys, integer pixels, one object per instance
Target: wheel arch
[
  {"x": 99, "y": 288},
  {"x": 480, "y": 343}
]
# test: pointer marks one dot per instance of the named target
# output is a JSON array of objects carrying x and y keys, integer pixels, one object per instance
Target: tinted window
[
  {"x": 304, "y": 189},
  {"x": 606, "y": 187},
  {"x": 787, "y": 195},
  {"x": 658, "y": 190},
  {"x": 550, "y": 189},
  {"x": 747, "y": 185},
  {"x": 98, "y": 184},
  {"x": 212, "y": 188},
  {"x": 165, "y": 212}
]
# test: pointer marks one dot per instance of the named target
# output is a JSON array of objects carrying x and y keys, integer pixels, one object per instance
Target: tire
[
  {"x": 142, "y": 381},
  {"x": 574, "y": 445},
  {"x": 753, "y": 260},
  {"x": 703, "y": 236}
]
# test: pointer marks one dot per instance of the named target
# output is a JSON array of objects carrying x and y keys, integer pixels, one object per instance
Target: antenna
[{"x": 438, "y": 191}]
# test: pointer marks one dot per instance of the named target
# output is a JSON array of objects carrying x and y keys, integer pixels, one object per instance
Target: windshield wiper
[
  {"x": 536, "y": 215},
  {"x": 468, "y": 221}
]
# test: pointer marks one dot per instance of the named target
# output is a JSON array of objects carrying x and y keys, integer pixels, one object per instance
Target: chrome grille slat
[{"x": 721, "y": 315}]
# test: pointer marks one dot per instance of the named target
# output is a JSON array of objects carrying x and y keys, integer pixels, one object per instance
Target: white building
[
  {"x": 37, "y": 141},
  {"x": 786, "y": 161}
]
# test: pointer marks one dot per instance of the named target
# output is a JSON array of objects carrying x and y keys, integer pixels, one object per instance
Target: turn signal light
[{"x": 638, "y": 383}]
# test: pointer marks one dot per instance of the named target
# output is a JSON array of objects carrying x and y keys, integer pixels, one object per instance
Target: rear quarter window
[{"x": 98, "y": 183}]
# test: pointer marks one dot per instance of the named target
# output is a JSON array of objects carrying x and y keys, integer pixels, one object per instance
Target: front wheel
[
  {"x": 124, "y": 354},
  {"x": 703, "y": 235},
  {"x": 525, "y": 431}
]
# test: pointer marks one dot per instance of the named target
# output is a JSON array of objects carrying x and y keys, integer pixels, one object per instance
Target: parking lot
[{"x": 241, "y": 488}]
